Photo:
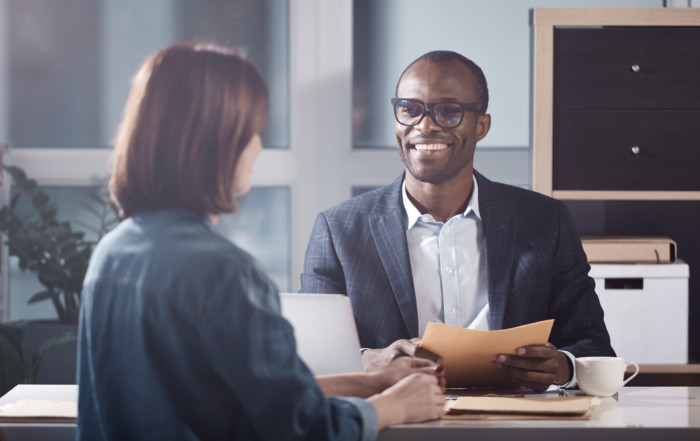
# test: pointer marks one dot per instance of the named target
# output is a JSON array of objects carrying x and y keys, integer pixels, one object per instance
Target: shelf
[
  {"x": 599, "y": 195},
  {"x": 666, "y": 375},
  {"x": 692, "y": 368}
]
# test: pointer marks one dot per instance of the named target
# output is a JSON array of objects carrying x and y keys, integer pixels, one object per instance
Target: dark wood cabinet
[
  {"x": 626, "y": 150},
  {"x": 627, "y": 67},
  {"x": 617, "y": 103},
  {"x": 626, "y": 108}
]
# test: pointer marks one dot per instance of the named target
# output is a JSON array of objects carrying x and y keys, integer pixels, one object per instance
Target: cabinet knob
[
  {"x": 635, "y": 150},
  {"x": 635, "y": 68}
]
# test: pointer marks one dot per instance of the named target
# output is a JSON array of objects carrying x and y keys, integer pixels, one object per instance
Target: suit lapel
[
  {"x": 387, "y": 222},
  {"x": 499, "y": 242}
]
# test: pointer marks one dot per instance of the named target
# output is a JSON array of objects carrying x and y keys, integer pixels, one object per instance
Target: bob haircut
[{"x": 191, "y": 111}]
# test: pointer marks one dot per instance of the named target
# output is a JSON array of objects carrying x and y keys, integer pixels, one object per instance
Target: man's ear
[{"x": 483, "y": 125}]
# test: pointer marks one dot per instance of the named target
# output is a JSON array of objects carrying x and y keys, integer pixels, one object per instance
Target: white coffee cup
[{"x": 602, "y": 376}]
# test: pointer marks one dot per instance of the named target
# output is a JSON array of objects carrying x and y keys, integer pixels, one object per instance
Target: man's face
[{"x": 431, "y": 153}]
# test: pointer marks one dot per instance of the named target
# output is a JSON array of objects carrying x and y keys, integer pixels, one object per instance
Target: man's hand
[
  {"x": 404, "y": 366},
  {"x": 535, "y": 367},
  {"x": 375, "y": 359}
]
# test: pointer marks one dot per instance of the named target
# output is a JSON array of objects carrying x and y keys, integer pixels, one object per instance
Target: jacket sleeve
[
  {"x": 323, "y": 272},
  {"x": 579, "y": 326}
]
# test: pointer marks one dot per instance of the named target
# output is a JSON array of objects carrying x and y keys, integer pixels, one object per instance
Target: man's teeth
[{"x": 431, "y": 146}]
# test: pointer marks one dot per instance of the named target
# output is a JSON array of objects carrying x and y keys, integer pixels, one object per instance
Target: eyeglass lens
[{"x": 445, "y": 114}]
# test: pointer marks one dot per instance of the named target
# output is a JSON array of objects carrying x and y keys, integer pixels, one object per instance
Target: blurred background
[{"x": 332, "y": 66}]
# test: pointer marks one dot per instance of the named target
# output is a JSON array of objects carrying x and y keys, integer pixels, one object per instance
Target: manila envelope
[{"x": 468, "y": 355}]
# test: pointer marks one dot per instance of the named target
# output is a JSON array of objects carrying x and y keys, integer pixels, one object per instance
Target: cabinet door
[
  {"x": 627, "y": 67},
  {"x": 638, "y": 150}
]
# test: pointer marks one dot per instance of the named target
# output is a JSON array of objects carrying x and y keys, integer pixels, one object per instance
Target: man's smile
[{"x": 431, "y": 147}]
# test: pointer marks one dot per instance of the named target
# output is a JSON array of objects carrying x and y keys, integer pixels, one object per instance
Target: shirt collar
[{"x": 414, "y": 215}]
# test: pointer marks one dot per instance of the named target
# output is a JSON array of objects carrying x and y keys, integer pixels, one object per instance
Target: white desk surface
[
  {"x": 39, "y": 432},
  {"x": 638, "y": 413}
]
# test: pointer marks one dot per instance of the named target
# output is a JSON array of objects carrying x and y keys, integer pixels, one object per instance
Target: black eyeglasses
[{"x": 446, "y": 114}]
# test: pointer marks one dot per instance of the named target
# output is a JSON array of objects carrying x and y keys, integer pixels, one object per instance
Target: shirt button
[
  {"x": 451, "y": 311},
  {"x": 425, "y": 219},
  {"x": 448, "y": 270}
]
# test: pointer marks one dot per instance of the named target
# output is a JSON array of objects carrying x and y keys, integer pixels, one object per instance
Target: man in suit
[{"x": 444, "y": 244}]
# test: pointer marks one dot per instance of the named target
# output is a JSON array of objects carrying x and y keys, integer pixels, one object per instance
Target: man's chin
[{"x": 428, "y": 177}]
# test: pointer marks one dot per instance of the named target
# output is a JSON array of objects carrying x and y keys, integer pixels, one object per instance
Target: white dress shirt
[{"x": 449, "y": 268}]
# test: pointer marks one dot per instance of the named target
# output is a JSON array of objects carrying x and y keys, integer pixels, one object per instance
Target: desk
[
  {"x": 639, "y": 413},
  {"x": 39, "y": 432}
]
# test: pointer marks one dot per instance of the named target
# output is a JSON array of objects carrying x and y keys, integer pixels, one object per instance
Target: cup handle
[{"x": 636, "y": 371}]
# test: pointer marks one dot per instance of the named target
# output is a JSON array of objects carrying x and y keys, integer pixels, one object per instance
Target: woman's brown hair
[{"x": 191, "y": 110}]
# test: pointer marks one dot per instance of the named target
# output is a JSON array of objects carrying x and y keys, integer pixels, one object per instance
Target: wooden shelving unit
[
  {"x": 547, "y": 23},
  {"x": 545, "y": 20}
]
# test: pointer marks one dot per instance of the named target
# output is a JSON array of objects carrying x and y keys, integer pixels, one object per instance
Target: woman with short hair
[{"x": 180, "y": 333}]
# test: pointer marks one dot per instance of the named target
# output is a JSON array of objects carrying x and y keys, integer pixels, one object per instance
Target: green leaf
[
  {"x": 40, "y": 199},
  {"x": 41, "y": 295},
  {"x": 29, "y": 186},
  {"x": 15, "y": 200},
  {"x": 58, "y": 232},
  {"x": 51, "y": 248},
  {"x": 48, "y": 211},
  {"x": 17, "y": 173}
]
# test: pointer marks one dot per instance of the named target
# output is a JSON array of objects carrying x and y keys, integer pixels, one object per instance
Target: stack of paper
[
  {"x": 489, "y": 407},
  {"x": 39, "y": 411}
]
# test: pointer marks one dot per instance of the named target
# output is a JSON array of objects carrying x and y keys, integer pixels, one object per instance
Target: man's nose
[{"x": 428, "y": 124}]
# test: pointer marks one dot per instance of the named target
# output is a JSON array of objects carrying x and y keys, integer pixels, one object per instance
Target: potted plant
[{"x": 59, "y": 256}]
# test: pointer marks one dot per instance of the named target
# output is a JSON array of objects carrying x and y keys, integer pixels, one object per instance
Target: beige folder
[
  {"x": 39, "y": 411},
  {"x": 629, "y": 249},
  {"x": 468, "y": 355},
  {"x": 494, "y": 407}
]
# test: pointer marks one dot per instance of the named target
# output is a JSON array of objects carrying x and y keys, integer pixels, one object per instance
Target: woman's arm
[{"x": 364, "y": 385}]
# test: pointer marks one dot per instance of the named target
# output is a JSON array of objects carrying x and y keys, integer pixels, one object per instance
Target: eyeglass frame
[{"x": 428, "y": 107}]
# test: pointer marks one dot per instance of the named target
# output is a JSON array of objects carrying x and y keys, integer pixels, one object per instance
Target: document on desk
[
  {"x": 489, "y": 407},
  {"x": 468, "y": 355},
  {"x": 39, "y": 411}
]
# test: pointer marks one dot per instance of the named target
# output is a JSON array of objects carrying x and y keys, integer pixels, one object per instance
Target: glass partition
[
  {"x": 261, "y": 226},
  {"x": 69, "y": 61}
]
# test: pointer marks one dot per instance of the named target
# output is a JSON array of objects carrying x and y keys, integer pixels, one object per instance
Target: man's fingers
[
  {"x": 403, "y": 347},
  {"x": 527, "y": 363},
  {"x": 535, "y": 380},
  {"x": 542, "y": 351}
]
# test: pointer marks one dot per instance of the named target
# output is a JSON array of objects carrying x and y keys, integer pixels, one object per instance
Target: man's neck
[{"x": 442, "y": 201}]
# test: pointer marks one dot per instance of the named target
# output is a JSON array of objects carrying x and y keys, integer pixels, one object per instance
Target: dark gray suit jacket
[{"x": 535, "y": 265}]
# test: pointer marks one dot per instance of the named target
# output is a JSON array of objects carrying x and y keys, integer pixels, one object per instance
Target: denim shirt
[{"x": 181, "y": 338}]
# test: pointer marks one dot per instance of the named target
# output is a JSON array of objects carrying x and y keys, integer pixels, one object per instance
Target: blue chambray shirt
[{"x": 181, "y": 338}]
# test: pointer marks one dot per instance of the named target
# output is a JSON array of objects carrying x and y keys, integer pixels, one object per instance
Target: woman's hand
[{"x": 413, "y": 399}]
